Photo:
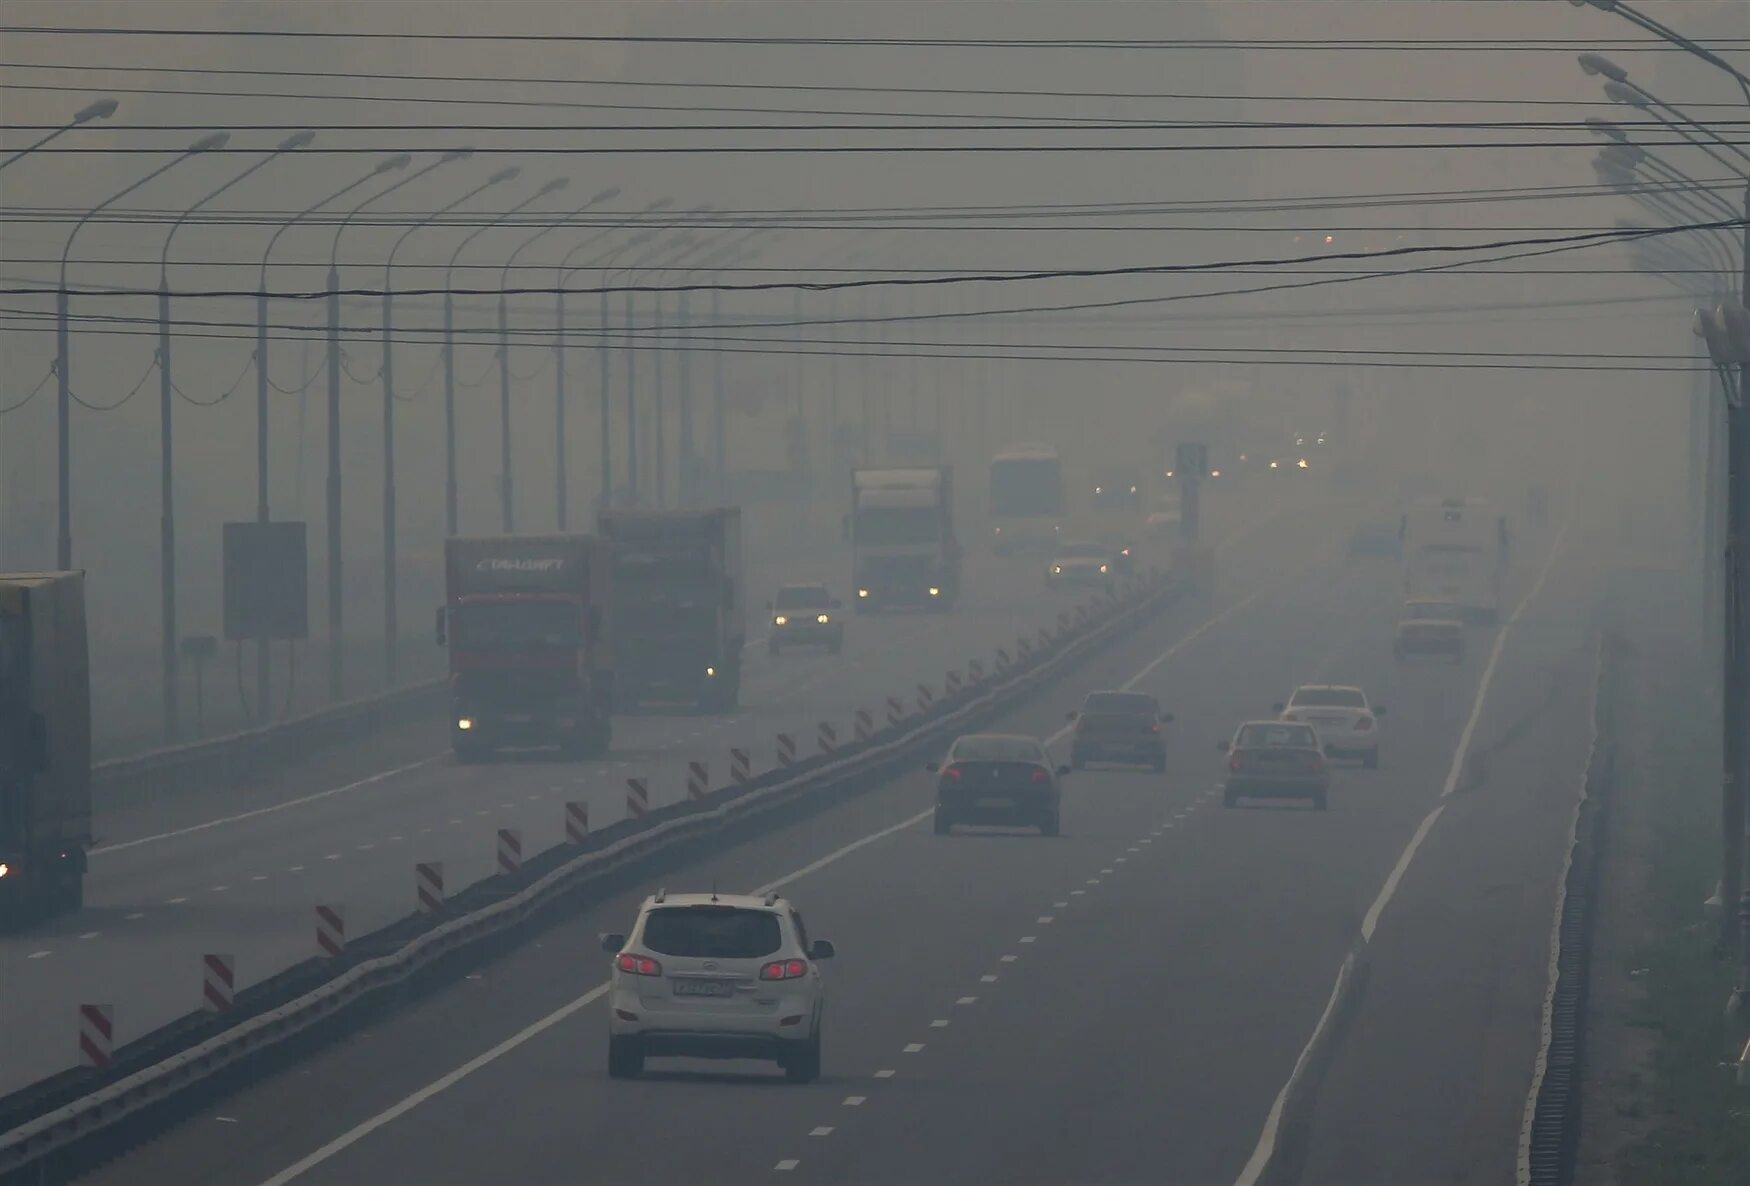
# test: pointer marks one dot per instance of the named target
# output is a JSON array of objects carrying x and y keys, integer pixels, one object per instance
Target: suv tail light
[
  {"x": 784, "y": 970},
  {"x": 638, "y": 965},
  {"x": 1154, "y": 727},
  {"x": 1040, "y": 774},
  {"x": 951, "y": 773},
  {"x": 1235, "y": 762}
]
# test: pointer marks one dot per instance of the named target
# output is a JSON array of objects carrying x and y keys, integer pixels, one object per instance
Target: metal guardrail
[
  {"x": 1550, "y": 1136},
  {"x": 58, "y": 1130}
]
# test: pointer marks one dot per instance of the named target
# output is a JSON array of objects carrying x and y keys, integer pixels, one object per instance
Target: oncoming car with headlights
[
  {"x": 716, "y": 976},
  {"x": 803, "y": 615},
  {"x": 1083, "y": 565}
]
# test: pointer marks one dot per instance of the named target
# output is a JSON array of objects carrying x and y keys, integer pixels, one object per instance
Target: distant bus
[
  {"x": 1027, "y": 509},
  {"x": 1456, "y": 550}
]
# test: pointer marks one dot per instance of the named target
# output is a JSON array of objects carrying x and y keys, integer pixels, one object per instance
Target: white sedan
[{"x": 1347, "y": 725}]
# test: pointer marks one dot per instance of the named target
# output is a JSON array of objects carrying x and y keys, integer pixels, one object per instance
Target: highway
[
  {"x": 239, "y": 871},
  {"x": 1125, "y": 1003}
]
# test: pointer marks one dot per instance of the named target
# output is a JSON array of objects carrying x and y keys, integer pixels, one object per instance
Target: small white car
[
  {"x": 1347, "y": 725},
  {"x": 716, "y": 976}
]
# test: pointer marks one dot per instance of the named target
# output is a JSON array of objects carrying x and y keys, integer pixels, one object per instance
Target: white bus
[
  {"x": 1455, "y": 550},
  {"x": 1027, "y": 510}
]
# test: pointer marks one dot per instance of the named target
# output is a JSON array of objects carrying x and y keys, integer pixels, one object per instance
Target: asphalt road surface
[
  {"x": 1121, "y": 1004},
  {"x": 240, "y": 870}
]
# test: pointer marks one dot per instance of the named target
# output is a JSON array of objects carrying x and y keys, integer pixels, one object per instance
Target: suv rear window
[
  {"x": 1328, "y": 698},
  {"x": 707, "y": 932},
  {"x": 1131, "y": 703}
]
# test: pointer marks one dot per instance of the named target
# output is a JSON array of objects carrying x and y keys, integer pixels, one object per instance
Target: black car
[
  {"x": 998, "y": 778},
  {"x": 1119, "y": 727}
]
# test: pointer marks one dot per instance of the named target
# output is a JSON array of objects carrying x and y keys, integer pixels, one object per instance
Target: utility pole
[
  {"x": 631, "y": 408},
  {"x": 559, "y": 410},
  {"x": 1736, "y": 716},
  {"x": 719, "y": 432},
  {"x": 336, "y": 645}
]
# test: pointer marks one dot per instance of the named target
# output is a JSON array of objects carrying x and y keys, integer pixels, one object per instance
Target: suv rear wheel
[
  {"x": 802, "y": 1064},
  {"x": 625, "y": 1057}
]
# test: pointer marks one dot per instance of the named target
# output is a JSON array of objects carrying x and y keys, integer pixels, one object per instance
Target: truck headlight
[
  {"x": 464, "y": 724},
  {"x": 823, "y": 619},
  {"x": 1105, "y": 568},
  {"x": 781, "y": 620},
  {"x": 862, "y": 592},
  {"x": 4, "y": 868},
  {"x": 1057, "y": 570},
  {"x": 935, "y": 591},
  {"x": 710, "y": 673}
]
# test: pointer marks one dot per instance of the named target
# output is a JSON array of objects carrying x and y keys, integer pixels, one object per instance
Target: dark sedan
[
  {"x": 1275, "y": 760},
  {"x": 1119, "y": 727},
  {"x": 998, "y": 778}
]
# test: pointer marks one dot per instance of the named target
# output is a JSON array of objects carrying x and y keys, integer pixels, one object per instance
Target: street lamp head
[
  {"x": 1599, "y": 64},
  {"x": 1627, "y": 92},
  {"x": 553, "y": 186},
  {"x": 1605, "y": 128},
  {"x": 503, "y": 175},
  {"x": 295, "y": 141},
  {"x": 392, "y": 163},
  {"x": 210, "y": 143},
  {"x": 606, "y": 195},
  {"x": 102, "y": 109}
]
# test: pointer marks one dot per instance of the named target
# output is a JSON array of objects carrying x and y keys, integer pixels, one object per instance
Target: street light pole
[
  {"x": 1735, "y": 731},
  {"x": 561, "y": 275},
  {"x": 102, "y": 109},
  {"x": 449, "y": 357},
  {"x": 558, "y": 363},
  {"x": 63, "y": 363},
  {"x": 167, "y": 443},
  {"x": 506, "y": 484},
  {"x": 336, "y": 584},
  {"x": 263, "y": 513},
  {"x": 391, "y": 520}
]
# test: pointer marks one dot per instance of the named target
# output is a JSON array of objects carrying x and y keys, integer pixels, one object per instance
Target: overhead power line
[
  {"x": 1586, "y": 239},
  {"x": 501, "y": 80},
  {"x": 1469, "y": 44}
]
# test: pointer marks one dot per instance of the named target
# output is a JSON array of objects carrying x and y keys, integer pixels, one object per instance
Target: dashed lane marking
[
  {"x": 37, "y": 955},
  {"x": 940, "y": 1023},
  {"x": 219, "y": 889},
  {"x": 855, "y": 1101},
  {"x": 91, "y": 934},
  {"x": 1028, "y": 938},
  {"x": 138, "y": 914},
  {"x": 913, "y": 1047},
  {"x": 821, "y": 1130},
  {"x": 176, "y": 901},
  {"x": 966, "y": 1001},
  {"x": 789, "y": 1163},
  {"x": 1045, "y": 918},
  {"x": 884, "y": 1074},
  {"x": 989, "y": 978}
]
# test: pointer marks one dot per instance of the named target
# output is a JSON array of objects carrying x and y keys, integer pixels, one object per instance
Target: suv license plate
[
  {"x": 703, "y": 988},
  {"x": 996, "y": 802}
]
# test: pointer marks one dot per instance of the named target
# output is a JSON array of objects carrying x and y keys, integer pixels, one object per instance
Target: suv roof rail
[
  {"x": 661, "y": 895},
  {"x": 772, "y": 898}
]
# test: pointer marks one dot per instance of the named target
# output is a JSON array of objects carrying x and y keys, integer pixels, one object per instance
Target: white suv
[
  {"x": 1347, "y": 725},
  {"x": 716, "y": 976}
]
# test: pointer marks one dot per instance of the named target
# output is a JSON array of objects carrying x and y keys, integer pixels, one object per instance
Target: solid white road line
[
  {"x": 272, "y": 808},
  {"x": 1266, "y": 1147}
]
